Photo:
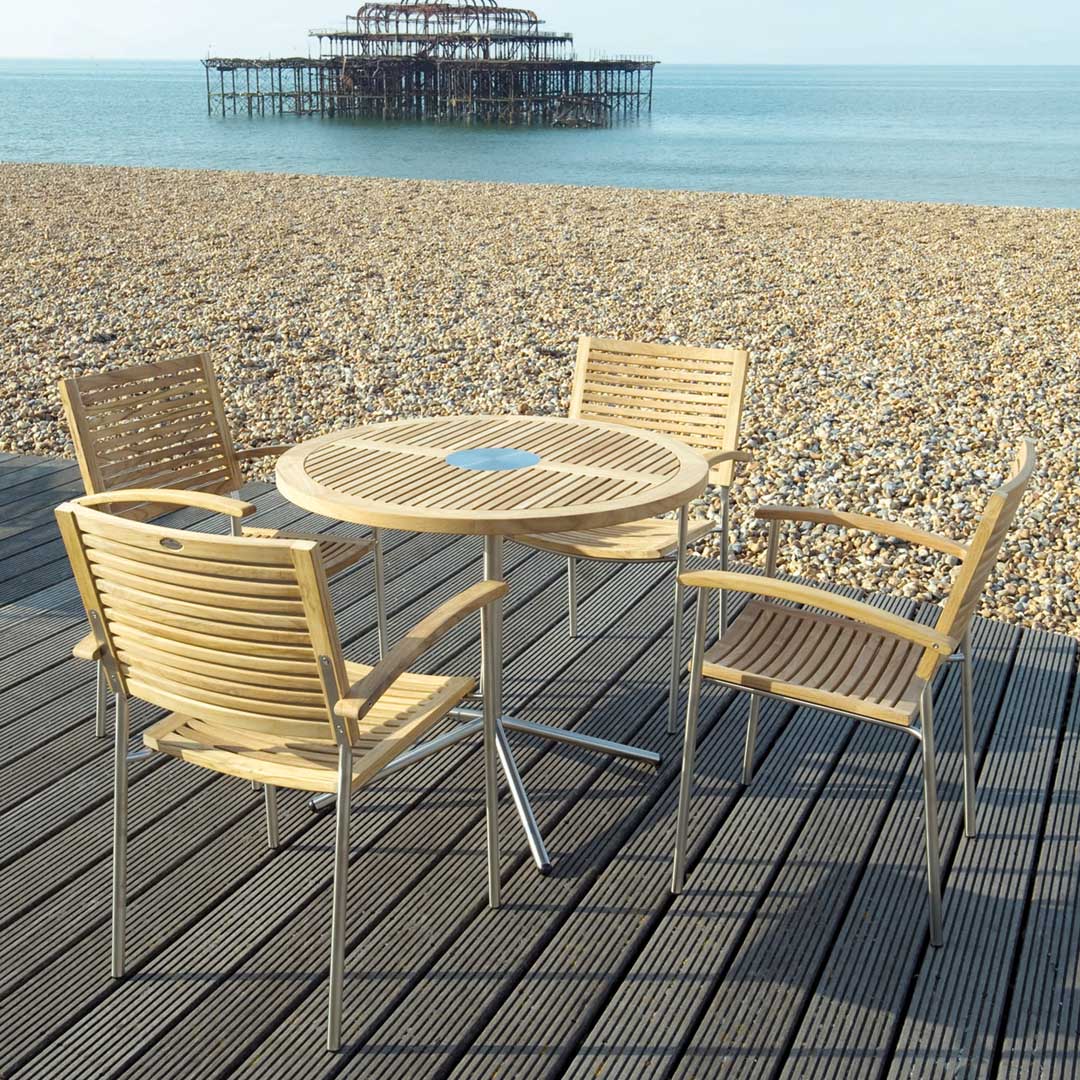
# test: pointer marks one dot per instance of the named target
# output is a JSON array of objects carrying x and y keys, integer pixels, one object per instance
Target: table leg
[{"x": 491, "y": 652}]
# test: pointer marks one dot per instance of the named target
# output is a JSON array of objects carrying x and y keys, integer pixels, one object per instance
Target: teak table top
[{"x": 507, "y": 475}]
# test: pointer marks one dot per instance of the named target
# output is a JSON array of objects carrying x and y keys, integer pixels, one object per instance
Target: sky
[{"x": 676, "y": 31}]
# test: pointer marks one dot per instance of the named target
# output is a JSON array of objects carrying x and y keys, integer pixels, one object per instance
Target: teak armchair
[
  {"x": 163, "y": 425},
  {"x": 693, "y": 394},
  {"x": 236, "y": 638},
  {"x": 855, "y": 659}
]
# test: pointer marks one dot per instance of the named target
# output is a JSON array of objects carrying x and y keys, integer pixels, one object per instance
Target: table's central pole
[
  {"x": 493, "y": 571},
  {"x": 491, "y": 669}
]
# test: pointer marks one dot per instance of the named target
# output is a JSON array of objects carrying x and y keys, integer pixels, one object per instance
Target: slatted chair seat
[
  {"x": 655, "y": 538},
  {"x": 823, "y": 660},
  {"x": 337, "y": 552},
  {"x": 404, "y": 713}
]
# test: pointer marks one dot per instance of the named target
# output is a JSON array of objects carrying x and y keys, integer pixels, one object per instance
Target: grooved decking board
[
  {"x": 961, "y": 991},
  {"x": 168, "y": 777},
  {"x": 669, "y": 974},
  {"x": 1042, "y": 1032},
  {"x": 751, "y": 1020},
  {"x": 861, "y": 987},
  {"x": 60, "y": 477},
  {"x": 769, "y": 964},
  {"x": 147, "y": 997},
  {"x": 455, "y": 871},
  {"x": 449, "y": 979}
]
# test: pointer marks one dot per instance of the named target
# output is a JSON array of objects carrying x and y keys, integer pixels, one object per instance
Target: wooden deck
[{"x": 799, "y": 948}]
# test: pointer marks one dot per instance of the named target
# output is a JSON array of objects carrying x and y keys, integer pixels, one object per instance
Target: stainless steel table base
[{"x": 491, "y": 646}]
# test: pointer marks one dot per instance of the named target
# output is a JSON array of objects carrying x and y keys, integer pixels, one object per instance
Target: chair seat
[
  {"x": 338, "y": 552},
  {"x": 823, "y": 660},
  {"x": 404, "y": 714},
  {"x": 653, "y": 538}
]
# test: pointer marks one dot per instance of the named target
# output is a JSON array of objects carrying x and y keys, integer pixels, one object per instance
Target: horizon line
[{"x": 670, "y": 63}]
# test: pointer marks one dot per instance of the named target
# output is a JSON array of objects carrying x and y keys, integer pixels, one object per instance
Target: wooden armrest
[
  {"x": 363, "y": 694},
  {"x": 778, "y": 589},
  {"x": 253, "y": 452},
  {"x": 202, "y": 500},
  {"x": 87, "y": 648},
  {"x": 821, "y": 516},
  {"x": 729, "y": 455}
]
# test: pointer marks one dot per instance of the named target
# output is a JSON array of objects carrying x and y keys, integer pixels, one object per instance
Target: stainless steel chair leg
[
  {"x": 380, "y": 596},
  {"x": 341, "y": 882},
  {"x": 686, "y": 779},
  {"x": 273, "y": 836},
  {"x": 933, "y": 847},
  {"x": 725, "y": 528},
  {"x": 491, "y": 780},
  {"x": 751, "y": 739},
  {"x": 120, "y": 813},
  {"x": 571, "y": 592},
  {"x": 968, "y": 696},
  {"x": 102, "y": 702},
  {"x": 677, "y": 625}
]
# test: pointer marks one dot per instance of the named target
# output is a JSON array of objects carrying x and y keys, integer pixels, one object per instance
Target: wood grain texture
[
  {"x": 151, "y": 426},
  {"x": 864, "y": 522},
  {"x": 653, "y": 538},
  {"x": 693, "y": 394},
  {"x": 822, "y": 660},
  {"x": 157, "y": 426},
  {"x": 395, "y": 475},
  {"x": 231, "y": 635}
]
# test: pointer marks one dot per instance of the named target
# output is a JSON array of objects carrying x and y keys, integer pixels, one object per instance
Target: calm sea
[{"x": 997, "y": 135}]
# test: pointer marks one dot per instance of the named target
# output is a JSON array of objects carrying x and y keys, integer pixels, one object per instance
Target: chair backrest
[
  {"x": 694, "y": 394},
  {"x": 985, "y": 546},
  {"x": 227, "y": 631},
  {"x": 158, "y": 425}
]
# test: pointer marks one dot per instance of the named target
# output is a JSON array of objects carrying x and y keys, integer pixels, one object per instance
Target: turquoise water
[{"x": 1007, "y": 135}]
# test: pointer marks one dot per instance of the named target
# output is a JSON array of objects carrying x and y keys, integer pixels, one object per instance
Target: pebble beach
[{"x": 899, "y": 351}]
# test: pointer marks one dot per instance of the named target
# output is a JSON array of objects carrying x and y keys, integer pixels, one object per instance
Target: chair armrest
[
  {"x": 202, "y": 500},
  {"x": 721, "y": 456},
  {"x": 821, "y": 516},
  {"x": 87, "y": 648},
  {"x": 778, "y": 589},
  {"x": 363, "y": 694},
  {"x": 253, "y": 452}
]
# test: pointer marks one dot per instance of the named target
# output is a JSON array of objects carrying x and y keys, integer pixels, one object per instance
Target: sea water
[{"x": 990, "y": 135}]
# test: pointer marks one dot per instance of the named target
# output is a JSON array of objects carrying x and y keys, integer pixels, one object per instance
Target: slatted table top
[{"x": 491, "y": 475}]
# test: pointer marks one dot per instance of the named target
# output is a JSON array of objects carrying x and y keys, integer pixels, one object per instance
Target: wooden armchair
[
  {"x": 236, "y": 638},
  {"x": 163, "y": 425},
  {"x": 853, "y": 658},
  {"x": 695, "y": 395}
]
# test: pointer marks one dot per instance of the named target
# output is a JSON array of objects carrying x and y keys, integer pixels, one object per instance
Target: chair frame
[
  {"x": 92, "y": 464},
  {"x": 722, "y": 460},
  {"x": 949, "y": 642},
  {"x": 346, "y": 705}
]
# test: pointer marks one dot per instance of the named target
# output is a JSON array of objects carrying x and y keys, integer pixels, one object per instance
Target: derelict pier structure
[{"x": 457, "y": 59}]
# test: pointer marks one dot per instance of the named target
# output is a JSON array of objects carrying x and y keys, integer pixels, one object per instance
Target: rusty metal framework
[{"x": 470, "y": 59}]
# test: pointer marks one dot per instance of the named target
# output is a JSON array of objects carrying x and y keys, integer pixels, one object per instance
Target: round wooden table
[{"x": 495, "y": 476}]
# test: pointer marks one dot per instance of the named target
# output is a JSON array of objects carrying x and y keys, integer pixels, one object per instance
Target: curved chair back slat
[
  {"x": 225, "y": 631},
  {"x": 693, "y": 394},
  {"x": 985, "y": 546},
  {"x": 151, "y": 426}
]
